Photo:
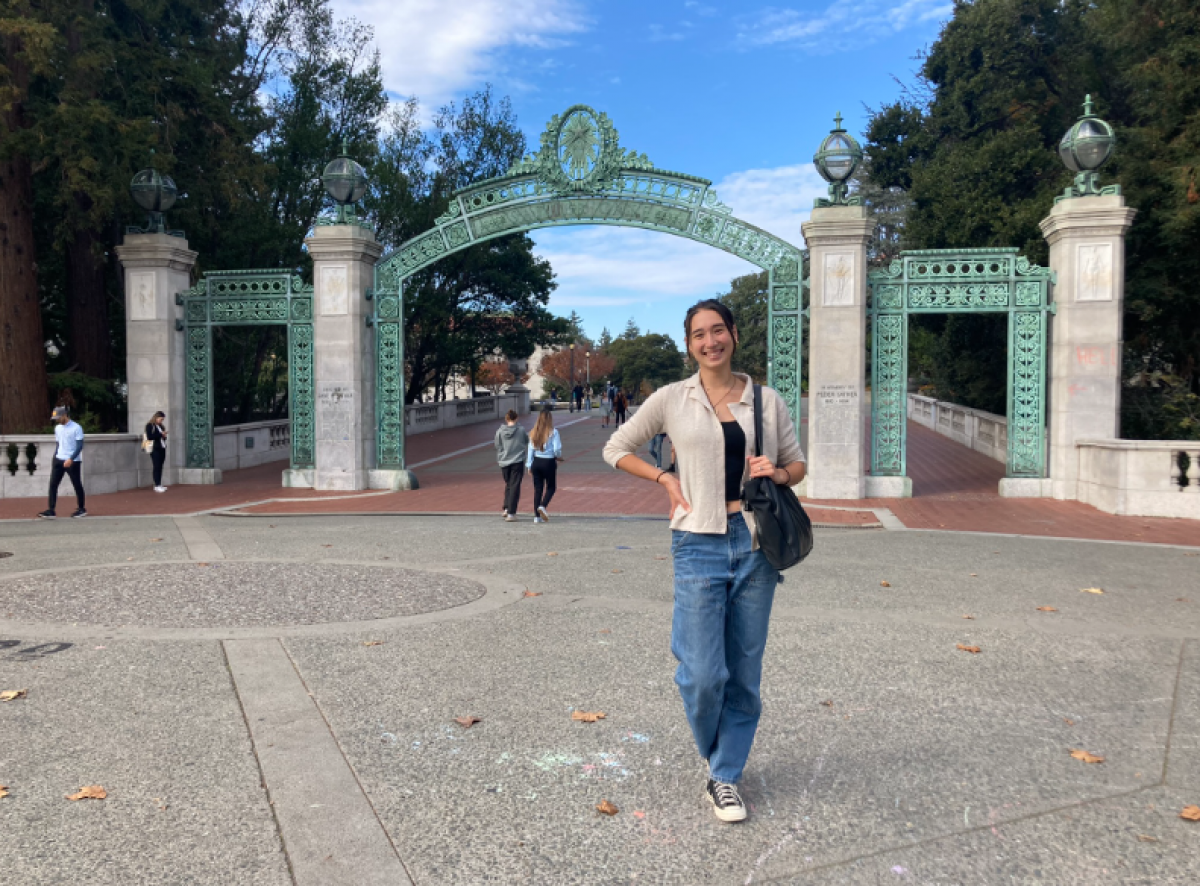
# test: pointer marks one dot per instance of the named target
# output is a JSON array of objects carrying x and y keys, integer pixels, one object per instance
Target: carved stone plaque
[
  {"x": 335, "y": 290},
  {"x": 142, "y": 303},
  {"x": 1094, "y": 267},
  {"x": 837, "y": 289}
]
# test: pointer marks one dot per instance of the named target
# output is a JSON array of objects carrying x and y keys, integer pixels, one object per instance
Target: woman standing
[
  {"x": 724, "y": 585},
  {"x": 619, "y": 406},
  {"x": 545, "y": 452},
  {"x": 605, "y": 407},
  {"x": 156, "y": 436}
]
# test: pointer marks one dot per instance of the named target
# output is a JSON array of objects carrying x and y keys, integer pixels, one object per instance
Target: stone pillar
[
  {"x": 1087, "y": 254},
  {"x": 837, "y": 239},
  {"x": 344, "y": 258},
  {"x": 157, "y": 266}
]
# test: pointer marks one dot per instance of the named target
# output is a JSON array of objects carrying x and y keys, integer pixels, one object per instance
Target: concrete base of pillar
[
  {"x": 298, "y": 478},
  {"x": 1026, "y": 487},
  {"x": 395, "y": 480},
  {"x": 340, "y": 481},
  {"x": 198, "y": 476},
  {"x": 836, "y": 488},
  {"x": 1064, "y": 490},
  {"x": 888, "y": 487}
]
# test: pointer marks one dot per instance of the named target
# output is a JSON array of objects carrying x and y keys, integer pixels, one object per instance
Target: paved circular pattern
[{"x": 230, "y": 594}]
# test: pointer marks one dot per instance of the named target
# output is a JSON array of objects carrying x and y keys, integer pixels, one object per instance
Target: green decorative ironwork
[
  {"x": 580, "y": 175},
  {"x": 960, "y": 281},
  {"x": 247, "y": 298},
  {"x": 1084, "y": 148}
]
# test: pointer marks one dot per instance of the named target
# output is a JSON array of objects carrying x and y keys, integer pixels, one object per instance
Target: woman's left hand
[{"x": 760, "y": 466}]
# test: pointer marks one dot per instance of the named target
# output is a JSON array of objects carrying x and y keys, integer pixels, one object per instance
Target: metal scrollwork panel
[
  {"x": 302, "y": 395},
  {"x": 889, "y": 377},
  {"x": 1027, "y": 394},
  {"x": 389, "y": 381},
  {"x": 784, "y": 362},
  {"x": 197, "y": 374}
]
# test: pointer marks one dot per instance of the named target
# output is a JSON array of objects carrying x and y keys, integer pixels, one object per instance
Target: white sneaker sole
[
  {"x": 542, "y": 513},
  {"x": 728, "y": 815}
]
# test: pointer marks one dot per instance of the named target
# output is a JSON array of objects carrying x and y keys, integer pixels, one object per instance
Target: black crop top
[{"x": 735, "y": 459}]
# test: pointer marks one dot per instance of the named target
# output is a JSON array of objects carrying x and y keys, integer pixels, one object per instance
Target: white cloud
[
  {"x": 840, "y": 26},
  {"x": 612, "y": 266},
  {"x": 436, "y": 49}
]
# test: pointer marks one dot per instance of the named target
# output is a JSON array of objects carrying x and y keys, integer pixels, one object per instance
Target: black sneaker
[
  {"x": 80, "y": 513},
  {"x": 47, "y": 515},
  {"x": 727, "y": 803}
]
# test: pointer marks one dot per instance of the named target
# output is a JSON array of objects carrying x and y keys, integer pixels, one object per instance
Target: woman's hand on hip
[{"x": 674, "y": 492}]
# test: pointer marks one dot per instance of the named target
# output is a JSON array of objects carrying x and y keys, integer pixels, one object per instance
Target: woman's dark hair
[
  {"x": 708, "y": 304},
  {"x": 510, "y": 415}
]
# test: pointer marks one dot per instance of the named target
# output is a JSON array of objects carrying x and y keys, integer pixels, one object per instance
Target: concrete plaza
[{"x": 272, "y": 699}]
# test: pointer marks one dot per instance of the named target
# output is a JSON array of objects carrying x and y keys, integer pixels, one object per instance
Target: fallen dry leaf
[
  {"x": 615, "y": 571},
  {"x": 3, "y": 790},
  {"x": 156, "y": 539},
  {"x": 552, "y": 554},
  {"x": 467, "y": 722},
  {"x": 90, "y": 792},
  {"x": 12, "y": 694},
  {"x": 974, "y": 650},
  {"x": 661, "y": 558},
  {"x": 606, "y": 631},
  {"x": 1146, "y": 838},
  {"x": 974, "y": 575},
  {"x": 326, "y": 546},
  {"x": 1191, "y": 813},
  {"x": 1091, "y": 590},
  {"x": 1182, "y": 600},
  {"x": 885, "y": 584},
  {"x": 1069, "y": 722},
  {"x": 1046, "y": 609},
  {"x": 969, "y": 617},
  {"x": 828, "y": 702},
  {"x": 372, "y": 642},
  {"x": 1083, "y": 755},
  {"x": 587, "y": 716},
  {"x": 533, "y": 593},
  {"x": 607, "y": 808}
]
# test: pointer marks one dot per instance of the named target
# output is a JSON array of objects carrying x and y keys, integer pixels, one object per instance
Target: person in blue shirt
[
  {"x": 545, "y": 452},
  {"x": 67, "y": 460}
]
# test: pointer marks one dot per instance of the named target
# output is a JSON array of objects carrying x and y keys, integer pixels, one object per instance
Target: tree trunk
[
  {"x": 90, "y": 337},
  {"x": 23, "y": 389}
]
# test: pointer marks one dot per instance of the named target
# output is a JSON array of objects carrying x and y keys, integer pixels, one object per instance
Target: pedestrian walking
[
  {"x": 605, "y": 407},
  {"x": 620, "y": 405},
  {"x": 656, "y": 449},
  {"x": 724, "y": 585},
  {"x": 587, "y": 399},
  {"x": 545, "y": 452},
  {"x": 68, "y": 460},
  {"x": 154, "y": 441},
  {"x": 511, "y": 444},
  {"x": 577, "y": 396}
]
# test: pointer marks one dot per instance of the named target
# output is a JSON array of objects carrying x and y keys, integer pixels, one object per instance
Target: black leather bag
[{"x": 783, "y": 529}]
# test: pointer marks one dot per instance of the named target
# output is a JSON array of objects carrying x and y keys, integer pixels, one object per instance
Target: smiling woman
[{"x": 724, "y": 584}]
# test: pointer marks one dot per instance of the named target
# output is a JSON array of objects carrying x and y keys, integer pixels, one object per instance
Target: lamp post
[
  {"x": 836, "y": 159},
  {"x": 571, "y": 393},
  {"x": 346, "y": 182},
  {"x": 155, "y": 193},
  {"x": 1084, "y": 148}
]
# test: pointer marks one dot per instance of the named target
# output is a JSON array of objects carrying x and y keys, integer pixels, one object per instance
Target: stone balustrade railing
[
  {"x": 252, "y": 444},
  {"x": 1147, "y": 478},
  {"x": 421, "y": 418},
  {"x": 973, "y": 428}
]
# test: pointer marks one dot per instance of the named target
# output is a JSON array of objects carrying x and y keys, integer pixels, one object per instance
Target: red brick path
[{"x": 953, "y": 488}]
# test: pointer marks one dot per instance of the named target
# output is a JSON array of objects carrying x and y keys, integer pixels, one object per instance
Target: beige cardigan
[{"x": 682, "y": 410}]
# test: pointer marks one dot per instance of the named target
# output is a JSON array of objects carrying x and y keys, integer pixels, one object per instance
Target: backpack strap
[{"x": 758, "y": 422}]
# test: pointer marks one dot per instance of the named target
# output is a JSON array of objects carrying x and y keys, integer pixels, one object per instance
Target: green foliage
[
  {"x": 631, "y": 331},
  {"x": 974, "y": 147},
  {"x": 605, "y": 339},
  {"x": 651, "y": 358},
  {"x": 96, "y": 403}
]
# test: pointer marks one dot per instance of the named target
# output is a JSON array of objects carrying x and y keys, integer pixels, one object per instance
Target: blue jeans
[
  {"x": 656, "y": 445},
  {"x": 723, "y": 596}
]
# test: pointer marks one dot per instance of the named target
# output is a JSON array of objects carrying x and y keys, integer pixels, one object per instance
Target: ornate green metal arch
[
  {"x": 582, "y": 176},
  {"x": 247, "y": 298},
  {"x": 933, "y": 281}
]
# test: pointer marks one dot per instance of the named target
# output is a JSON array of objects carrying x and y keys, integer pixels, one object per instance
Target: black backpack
[{"x": 783, "y": 529}]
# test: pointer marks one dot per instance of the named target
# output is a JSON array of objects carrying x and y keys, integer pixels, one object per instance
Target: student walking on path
[
  {"x": 545, "y": 452},
  {"x": 511, "y": 444},
  {"x": 156, "y": 437},
  {"x": 67, "y": 460},
  {"x": 724, "y": 585}
]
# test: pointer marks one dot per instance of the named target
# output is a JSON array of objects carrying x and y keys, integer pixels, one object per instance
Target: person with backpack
[
  {"x": 511, "y": 443},
  {"x": 724, "y": 583}
]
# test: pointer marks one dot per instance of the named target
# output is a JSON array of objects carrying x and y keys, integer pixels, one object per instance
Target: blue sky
[{"x": 739, "y": 93}]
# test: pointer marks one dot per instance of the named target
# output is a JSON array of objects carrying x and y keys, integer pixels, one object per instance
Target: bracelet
[
  {"x": 659, "y": 477},
  {"x": 789, "y": 475}
]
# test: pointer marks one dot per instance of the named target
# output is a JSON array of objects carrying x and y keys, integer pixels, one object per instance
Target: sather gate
[{"x": 581, "y": 176}]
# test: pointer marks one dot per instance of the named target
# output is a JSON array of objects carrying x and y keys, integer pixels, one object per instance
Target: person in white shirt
[
  {"x": 545, "y": 452},
  {"x": 67, "y": 460}
]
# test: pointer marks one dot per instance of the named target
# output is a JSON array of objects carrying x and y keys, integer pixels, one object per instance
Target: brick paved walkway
[{"x": 954, "y": 488}]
